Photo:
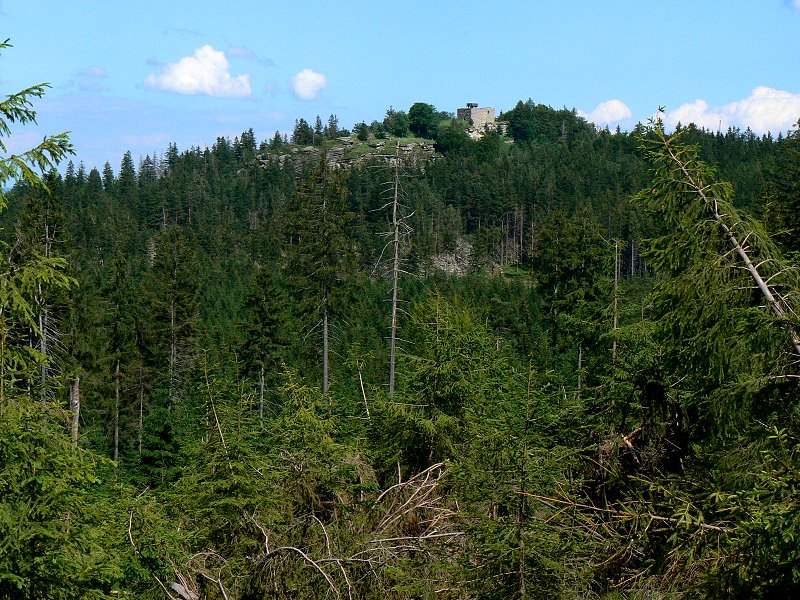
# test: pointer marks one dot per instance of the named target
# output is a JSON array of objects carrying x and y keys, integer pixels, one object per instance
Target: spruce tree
[
  {"x": 263, "y": 332},
  {"x": 22, "y": 280},
  {"x": 320, "y": 254},
  {"x": 174, "y": 288},
  {"x": 781, "y": 201}
]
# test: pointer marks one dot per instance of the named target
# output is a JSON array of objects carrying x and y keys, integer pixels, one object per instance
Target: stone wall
[{"x": 481, "y": 120}]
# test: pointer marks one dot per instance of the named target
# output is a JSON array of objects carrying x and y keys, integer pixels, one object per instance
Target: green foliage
[
  {"x": 529, "y": 122},
  {"x": 452, "y": 138},
  {"x": 453, "y": 365},
  {"x": 19, "y": 284},
  {"x": 263, "y": 331},
  {"x": 709, "y": 298},
  {"x": 302, "y": 134},
  {"x": 693, "y": 482},
  {"x": 764, "y": 558},
  {"x": 320, "y": 253},
  {"x": 315, "y": 470},
  {"x": 174, "y": 289},
  {"x": 530, "y": 450},
  {"x": 780, "y": 204},
  {"x": 362, "y": 131},
  {"x": 21, "y": 278},
  {"x": 511, "y": 463},
  {"x": 396, "y": 122},
  {"x": 18, "y": 108},
  {"x": 423, "y": 119},
  {"x": 52, "y": 534}
]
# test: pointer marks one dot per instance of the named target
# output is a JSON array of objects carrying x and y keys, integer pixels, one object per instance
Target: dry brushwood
[{"x": 410, "y": 517}]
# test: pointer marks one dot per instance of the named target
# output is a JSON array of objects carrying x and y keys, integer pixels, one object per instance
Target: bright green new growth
[
  {"x": 51, "y": 524},
  {"x": 18, "y": 108},
  {"x": 18, "y": 282}
]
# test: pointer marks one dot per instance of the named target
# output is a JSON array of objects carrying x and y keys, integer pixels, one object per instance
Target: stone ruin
[{"x": 481, "y": 120}]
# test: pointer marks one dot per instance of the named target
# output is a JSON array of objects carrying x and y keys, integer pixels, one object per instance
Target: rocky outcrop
[
  {"x": 349, "y": 154},
  {"x": 456, "y": 262}
]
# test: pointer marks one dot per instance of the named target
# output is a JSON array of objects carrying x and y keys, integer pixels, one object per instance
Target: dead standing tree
[{"x": 399, "y": 231}]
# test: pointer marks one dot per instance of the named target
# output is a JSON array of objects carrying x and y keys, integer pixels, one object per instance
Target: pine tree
[
  {"x": 722, "y": 397},
  {"x": 41, "y": 230},
  {"x": 781, "y": 201},
  {"x": 302, "y": 135},
  {"x": 319, "y": 135},
  {"x": 331, "y": 130},
  {"x": 263, "y": 331},
  {"x": 320, "y": 253},
  {"x": 174, "y": 288},
  {"x": 122, "y": 349}
]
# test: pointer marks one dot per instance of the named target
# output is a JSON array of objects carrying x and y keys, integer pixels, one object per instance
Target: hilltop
[{"x": 415, "y": 137}]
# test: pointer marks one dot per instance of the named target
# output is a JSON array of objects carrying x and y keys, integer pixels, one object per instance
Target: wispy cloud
[
  {"x": 88, "y": 79},
  {"x": 248, "y": 54},
  {"x": 240, "y": 52},
  {"x": 307, "y": 84},
  {"x": 23, "y": 141},
  {"x": 608, "y": 113},
  {"x": 150, "y": 139},
  {"x": 206, "y": 72},
  {"x": 764, "y": 110},
  {"x": 795, "y": 4},
  {"x": 185, "y": 31}
]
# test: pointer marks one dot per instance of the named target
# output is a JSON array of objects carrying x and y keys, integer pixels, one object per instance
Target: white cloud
[
  {"x": 207, "y": 72},
  {"x": 796, "y": 4},
  {"x": 765, "y": 109},
  {"x": 610, "y": 111},
  {"x": 307, "y": 84}
]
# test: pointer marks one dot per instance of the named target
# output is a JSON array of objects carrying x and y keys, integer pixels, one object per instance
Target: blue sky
[{"x": 139, "y": 75}]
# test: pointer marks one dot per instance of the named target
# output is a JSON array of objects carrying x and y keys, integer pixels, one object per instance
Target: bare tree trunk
[
  {"x": 43, "y": 347},
  {"x": 44, "y": 342},
  {"x": 75, "y": 408},
  {"x": 116, "y": 411},
  {"x": 261, "y": 394},
  {"x": 325, "y": 346},
  {"x": 173, "y": 351},
  {"x": 395, "y": 272},
  {"x": 141, "y": 411},
  {"x": 3, "y": 338},
  {"x": 616, "y": 302},
  {"x": 580, "y": 369},
  {"x": 633, "y": 255}
]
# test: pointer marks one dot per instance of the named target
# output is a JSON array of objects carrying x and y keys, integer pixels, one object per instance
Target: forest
[{"x": 559, "y": 362}]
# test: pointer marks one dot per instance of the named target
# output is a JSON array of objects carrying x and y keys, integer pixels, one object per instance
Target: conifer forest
[{"x": 555, "y": 361}]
